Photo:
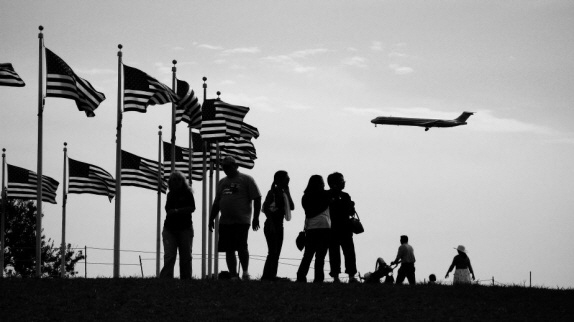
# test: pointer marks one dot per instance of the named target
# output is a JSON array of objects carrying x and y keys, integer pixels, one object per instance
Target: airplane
[{"x": 426, "y": 123}]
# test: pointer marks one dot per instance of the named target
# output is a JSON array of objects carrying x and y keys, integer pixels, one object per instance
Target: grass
[{"x": 174, "y": 300}]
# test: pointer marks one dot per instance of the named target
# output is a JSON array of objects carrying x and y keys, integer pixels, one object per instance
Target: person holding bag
[
  {"x": 315, "y": 202},
  {"x": 277, "y": 207}
]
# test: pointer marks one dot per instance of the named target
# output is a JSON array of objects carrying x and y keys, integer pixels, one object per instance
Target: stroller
[{"x": 382, "y": 270}]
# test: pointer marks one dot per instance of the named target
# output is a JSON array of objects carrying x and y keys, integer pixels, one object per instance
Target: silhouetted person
[
  {"x": 405, "y": 256},
  {"x": 315, "y": 202},
  {"x": 432, "y": 279},
  {"x": 277, "y": 206},
  {"x": 463, "y": 267},
  {"x": 234, "y": 197},
  {"x": 342, "y": 208},
  {"x": 177, "y": 227}
]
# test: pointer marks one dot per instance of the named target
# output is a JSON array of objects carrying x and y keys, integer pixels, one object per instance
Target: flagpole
[
  {"x": 39, "y": 181},
  {"x": 216, "y": 242},
  {"x": 203, "y": 195},
  {"x": 3, "y": 218},
  {"x": 118, "y": 170},
  {"x": 210, "y": 239},
  {"x": 158, "y": 239},
  {"x": 64, "y": 199},
  {"x": 174, "y": 86}
]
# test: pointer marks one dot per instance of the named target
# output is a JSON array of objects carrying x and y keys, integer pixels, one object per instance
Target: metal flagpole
[
  {"x": 3, "y": 218},
  {"x": 210, "y": 239},
  {"x": 216, "y": 238},
  {"x": 158, "y": 235},
  {"x": 39, "y": 180},
  {"x": 118, "y": 170},
  {"x": 173, "y": 106},
  {"x": 203, "y": 196},
  {"x": 64, "y": 199}
]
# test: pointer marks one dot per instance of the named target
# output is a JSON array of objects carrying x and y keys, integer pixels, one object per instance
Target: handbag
[
  {"x": 300, "y": 240},
  {"x": 356, "y": 224}
]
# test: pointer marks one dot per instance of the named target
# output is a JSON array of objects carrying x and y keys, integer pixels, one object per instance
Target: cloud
[
  {"x": 96, "y": 71},
  {"x": 292, "y": 61},
  {"x": 400, "y": 70},
  {"x": 486, "y": 121},
  {"x": 377, "y": 46},
  {"x": 244, "y": 50},
  {"x": 210, "y": 47},
  {"x": 356, "y": 61}
]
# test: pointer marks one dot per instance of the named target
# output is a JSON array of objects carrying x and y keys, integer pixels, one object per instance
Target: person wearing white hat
[{"x": 463, "y": 270}]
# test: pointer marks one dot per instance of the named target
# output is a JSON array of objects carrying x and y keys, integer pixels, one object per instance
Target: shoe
[
  {"x": 246, "y": 277},
  {"x": 336, "y": 280},
  {"x": 353, "y": 280}
]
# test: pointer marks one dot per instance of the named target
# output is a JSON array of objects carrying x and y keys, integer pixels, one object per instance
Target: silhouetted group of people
[{"x": 328, "y": 227}]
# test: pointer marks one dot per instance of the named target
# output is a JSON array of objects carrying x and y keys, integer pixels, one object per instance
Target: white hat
[{"x": 461, "y": 248}]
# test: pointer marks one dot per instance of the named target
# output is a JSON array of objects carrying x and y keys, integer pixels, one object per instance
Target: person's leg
[
  {"x": 242, "y": 233},
  {"x": 322, "y": 248},
  {"x": 169, "y": 253},
  {"x": 411, "y": 275},
  {"x": 335, "y": 255},
  {"x": 400, "y": 275},
  {"x": 231, "y": 263},
  {"x": 185, "y": 243},
  {"x": 270, "y": 237},
  {"x": 348, "y": 247},
  {"x": 310, "y": 249}
]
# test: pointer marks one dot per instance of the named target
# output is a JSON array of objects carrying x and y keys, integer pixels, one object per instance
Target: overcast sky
[{"x": 314, "y": 73}]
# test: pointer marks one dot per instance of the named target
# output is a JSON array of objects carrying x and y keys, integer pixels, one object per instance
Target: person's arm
[
  {"x": 399, "y": 256},
  {"x": 214, "y": 212},
  {"x": 470, "y": 269},
  {"x": 256, "y": 212},
  {"x": 291, "y": 203},
  {"x": 450, "y": 268}
]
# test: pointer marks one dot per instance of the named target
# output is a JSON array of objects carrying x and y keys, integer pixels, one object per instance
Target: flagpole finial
[
  {"x": 40, "y": 35},
  {"x": 65, "y": 146},
  {"x": 41, "y": 28},
  {"x": 174, "y": 61},
  {"x": 204, "y": 78},
  {"x": 120, "y": 46},
  {"x": 218, "y": 93}
]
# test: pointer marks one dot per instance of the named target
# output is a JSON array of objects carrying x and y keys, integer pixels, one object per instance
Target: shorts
[{"x": 232, "y": 237}]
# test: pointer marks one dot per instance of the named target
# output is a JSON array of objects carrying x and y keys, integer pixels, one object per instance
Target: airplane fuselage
[{"x": 426, "y": 123}]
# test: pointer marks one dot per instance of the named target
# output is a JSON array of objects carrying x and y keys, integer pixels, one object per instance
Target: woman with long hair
[
  {"x": 177, "y": 227},
  {"x": 315, "y": 202},
  {"x": 277, "y": 207}
]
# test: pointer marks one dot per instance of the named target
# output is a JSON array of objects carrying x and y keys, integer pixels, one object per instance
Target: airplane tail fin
[{"x": 464, "y": 116}]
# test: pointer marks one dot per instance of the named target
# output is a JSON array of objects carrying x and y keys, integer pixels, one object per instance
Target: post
[
  {"x": 216, "y": 238},
  {"x": 64, "y": 197},
  {"x": 530, "y": 279},
  {"x": 85, "y": 261},
  {"x": 118, "y": 170},
  {"x": 173, "y": 106},
  {"x": 158, "y": 233},
  {"x": 204, "y": 213},
  {"x": 141, "y": 266},
  {"x": 3, "y": 215},
  {"x": 39, "y": 183},
  {"x": 210, "y": 239}
]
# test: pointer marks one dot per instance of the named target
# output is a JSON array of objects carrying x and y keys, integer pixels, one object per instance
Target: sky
[{"x": 314, "y": 74}]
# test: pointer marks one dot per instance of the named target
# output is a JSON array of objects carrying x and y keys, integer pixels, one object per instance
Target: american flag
[
  {"x": 88, "y": 178},
  {"x": 232, "y": 114},
  {"x": 182, "y": 158},
  {"x": 211, "y": 127},
  {"x": 9, "y": 77},
  {"x": 141, "y": 90},
  {"x": 241, "y": 149},
  {"x": 22, "y": 184},
  {"x": 188, "y": 108},
  {"x": 63, "y": 82},
  {"x": 249, "y": 131},
  {"x": 139, "y": 172}
]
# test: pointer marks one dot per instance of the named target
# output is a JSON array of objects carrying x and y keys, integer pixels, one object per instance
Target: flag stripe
[
  {"x": 61, "y": 81},
  {"x": 22, "y": 184},
  {"x": 87, "y": 178},
  {"x": 9, "y": 77},
  {"x": 139, "y": 172},
  {"x": 141, "y": 90}
]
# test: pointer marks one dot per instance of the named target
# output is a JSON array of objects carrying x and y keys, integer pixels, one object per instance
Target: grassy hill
[{"x": 174, "y": 300}]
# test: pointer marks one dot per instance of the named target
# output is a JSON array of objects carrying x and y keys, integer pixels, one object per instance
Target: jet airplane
[{"x": 426, "y": 123}]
